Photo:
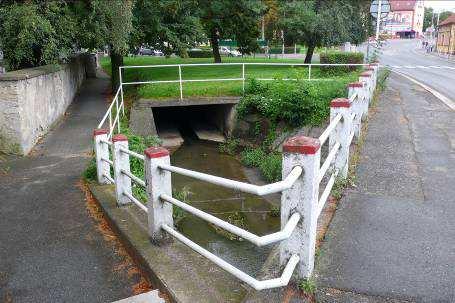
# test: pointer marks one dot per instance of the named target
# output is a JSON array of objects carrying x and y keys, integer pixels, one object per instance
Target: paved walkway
[
  {"x": 50, "y": 249},
  {"x": 393, "y": 238}
]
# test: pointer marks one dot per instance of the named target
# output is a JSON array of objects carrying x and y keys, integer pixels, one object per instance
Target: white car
[{"x": 228, "y": 52}]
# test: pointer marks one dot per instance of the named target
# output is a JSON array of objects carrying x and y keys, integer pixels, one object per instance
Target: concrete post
[
  {"x": 373, "y": 76},
  {"x": 358, "y": 107},
  {"x": 341, "y": 134},
  {"x": 121, "y": 162},
  {"x": 158, "y": 182},
  {"x": 101, "y": 151},
  {"x": 365, "y": 77},
  {"x": 302, "y": 197}
]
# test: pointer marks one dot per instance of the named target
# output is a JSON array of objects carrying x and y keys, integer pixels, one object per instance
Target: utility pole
[{"x": 378, "y": 19}]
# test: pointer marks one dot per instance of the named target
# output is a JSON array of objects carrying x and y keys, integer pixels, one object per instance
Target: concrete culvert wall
[{"x": 172, "y": 121}]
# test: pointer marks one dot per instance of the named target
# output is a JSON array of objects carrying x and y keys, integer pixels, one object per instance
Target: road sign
[{"x": 384, "y": 11}]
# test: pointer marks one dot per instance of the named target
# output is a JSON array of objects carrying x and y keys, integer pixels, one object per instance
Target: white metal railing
[{"x": 302, "y": 174}]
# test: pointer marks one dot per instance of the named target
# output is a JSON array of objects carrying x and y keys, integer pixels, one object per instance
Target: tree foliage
[
  {"x": 237, "y": 20},
  {"x": 324, "y": 22},
  {"x": 36, "y": 33},
  {"x": 431, "y": 18},
  {"x": 171, "y": 26}
]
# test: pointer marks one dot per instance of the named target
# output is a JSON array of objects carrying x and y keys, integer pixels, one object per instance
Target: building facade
[
  {"x": 445, "y": 42},
  {"x": 405, "y": 19}
]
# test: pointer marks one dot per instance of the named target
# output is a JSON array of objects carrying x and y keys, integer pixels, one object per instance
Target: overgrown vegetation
[
  {"x": 237, "y": 219},
  {"x": 308, "y": 286},
  {"x": 229, "y": 146},
  {"x": 296, "y": 103}
]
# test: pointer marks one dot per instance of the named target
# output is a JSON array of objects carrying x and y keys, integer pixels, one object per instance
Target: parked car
[
  {"x": 144, "y": 51},
  {"x": 228, "y": 52}
]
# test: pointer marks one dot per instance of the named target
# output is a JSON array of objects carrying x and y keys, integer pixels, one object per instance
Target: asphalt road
[{"x": 408, "y": 57}]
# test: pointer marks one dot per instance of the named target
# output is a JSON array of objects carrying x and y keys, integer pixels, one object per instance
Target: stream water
[{"x": 222, "y": 202}]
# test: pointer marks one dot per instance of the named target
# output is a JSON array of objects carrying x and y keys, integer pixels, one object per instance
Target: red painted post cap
[
  {"x": 355, "y": 84},
  {"x": 156, "y": 152},
  {"x": 301, "y": 145},
  {"x": 119, "y": 137},
  {"x": 374, "y": 64},
  {"x": 365, "y": 74},
  {"x": 340, "y": 102},
  {"x": 99, "y": 131}
]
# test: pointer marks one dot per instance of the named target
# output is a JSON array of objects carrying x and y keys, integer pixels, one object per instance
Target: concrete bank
[
  {"x": 185, "y": 276},
  {"x": 32, "y": 100}
]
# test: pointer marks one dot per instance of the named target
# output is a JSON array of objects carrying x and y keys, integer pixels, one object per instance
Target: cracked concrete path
[
  {"x": 50, "y": 249},
  {"x": 393, "y": 238}
]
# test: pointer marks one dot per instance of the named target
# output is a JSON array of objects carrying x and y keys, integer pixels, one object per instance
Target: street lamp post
[{"x": 378, "y": 19}]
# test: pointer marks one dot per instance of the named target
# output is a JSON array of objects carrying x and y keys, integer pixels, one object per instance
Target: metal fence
[
  {"x": 111, "y": 119},
  {"x": 301, "y": 201}
]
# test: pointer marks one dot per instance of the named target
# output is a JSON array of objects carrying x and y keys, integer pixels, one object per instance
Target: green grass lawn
[{"x": 215, "y": 88}]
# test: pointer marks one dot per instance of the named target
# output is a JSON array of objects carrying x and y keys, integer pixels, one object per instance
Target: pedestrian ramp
[{"x": 147, "y": 297}]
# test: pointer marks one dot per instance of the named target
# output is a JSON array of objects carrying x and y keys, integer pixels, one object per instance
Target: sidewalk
[
  {"x": 50, "y": 249},
  {"x": 393, "y": 238}
]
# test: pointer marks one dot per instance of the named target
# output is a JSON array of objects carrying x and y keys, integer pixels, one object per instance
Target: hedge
[
  {"x": 340, "y": 57},
  {"x": 279, "y": 50},
  {"x": 200, "y": 54}
]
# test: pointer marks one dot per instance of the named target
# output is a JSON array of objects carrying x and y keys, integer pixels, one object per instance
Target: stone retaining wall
[{"x": 32, "y": 100}]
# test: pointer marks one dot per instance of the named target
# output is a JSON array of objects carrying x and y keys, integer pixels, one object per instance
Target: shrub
[
  {"x": 334, "y": 57},
  {"x": 287, "y": 50},
  {"x": 252, "y": 157},
  {"x": 296, "y": 103},
  {"x": 200, "y": 53},
  {"x": 271, "y": 167}
]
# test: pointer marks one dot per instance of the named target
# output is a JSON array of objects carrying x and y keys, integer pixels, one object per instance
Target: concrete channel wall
[{"x": 32, "y": 100}]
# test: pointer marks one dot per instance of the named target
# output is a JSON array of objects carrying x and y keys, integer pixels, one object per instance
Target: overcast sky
[{"x": 441, "y": 5}]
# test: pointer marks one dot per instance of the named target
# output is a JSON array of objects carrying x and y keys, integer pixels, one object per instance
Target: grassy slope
[{"x": 216, "y": 88}]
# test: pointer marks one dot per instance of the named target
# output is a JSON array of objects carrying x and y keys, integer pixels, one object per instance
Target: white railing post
[
  {"x": 302, "y": 197},
  {"x": 101, "y": 151},
  {"x": 158, "y": 182},
  {"x": 121, "y": 162},
  {"x": 365, "y": 77},
  {"x": 341, "y": 134},
  {"x": 355, "y": 88},
  {"x": 309, "y": 72},
  {"x": 180, "y": 82}
]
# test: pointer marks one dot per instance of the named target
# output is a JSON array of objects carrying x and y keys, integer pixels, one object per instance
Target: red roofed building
[
  {"x": 446, "y": 36},
  {"x": 405, "y": 19}
]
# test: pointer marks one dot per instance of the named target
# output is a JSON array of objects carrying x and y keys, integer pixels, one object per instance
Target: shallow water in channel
[{"x": 222, "y": 202}]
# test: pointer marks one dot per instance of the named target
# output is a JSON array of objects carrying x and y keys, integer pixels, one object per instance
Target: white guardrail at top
[
  {"x": 111, "y": 119},
  {"x": 301, "y": 199}
]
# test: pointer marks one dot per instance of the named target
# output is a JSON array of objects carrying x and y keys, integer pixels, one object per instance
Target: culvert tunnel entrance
[{"x": 174, "y": 121}]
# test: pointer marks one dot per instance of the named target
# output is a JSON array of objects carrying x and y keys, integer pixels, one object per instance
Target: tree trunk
[
  {"x": 116, "y": 62},
  {"x": 309, "y": 53},
  {"x": 215, "y": 46}
]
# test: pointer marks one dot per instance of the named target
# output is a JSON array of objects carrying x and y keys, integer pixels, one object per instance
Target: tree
[
  {"x": 36, "y": 33},
  {"x": 237, "y": 20},
  {"x": 171, "y": 26},
  {"x": 325, "y": 22},
  {"x": 431, "y": 18},
  {"x": 111, "y": 22}
]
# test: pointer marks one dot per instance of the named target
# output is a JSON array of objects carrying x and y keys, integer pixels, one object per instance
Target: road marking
[
  {"x": 435, "y": 66},
  {"x": 421, "y": 66},
  {"x": 449, "y": 103},
  {"x": 396, "y": 66},
  {"x": 410, "y": 66}
]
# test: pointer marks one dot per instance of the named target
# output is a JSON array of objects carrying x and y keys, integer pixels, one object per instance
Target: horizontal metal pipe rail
[
  {"x": 136, "y": 201},
  {"x": 132, "y": 153},
  {"x": 107, "y": 161},
  {"x": 109, "y": 178},
  {"x": 133, "y": 177},
  {"x": 328, "y": 160},
  {"x": 256, "y": 240},
  {"x": 325, "y": 135},
  {"x": 244, "y": 187},
  {"x": 242, "y": 63},
  {"x": 326, "y": 193},
  {"x": 256, "y": 284}
]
